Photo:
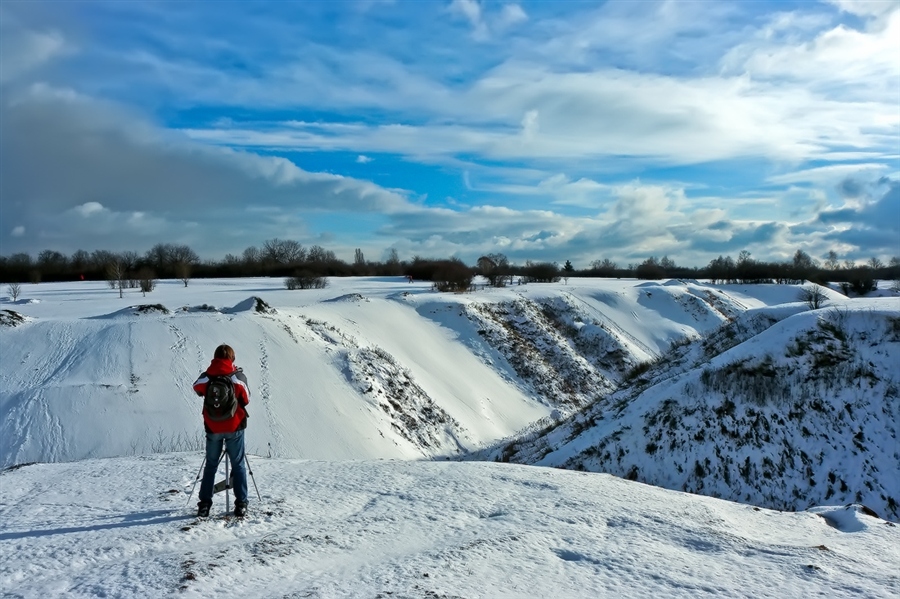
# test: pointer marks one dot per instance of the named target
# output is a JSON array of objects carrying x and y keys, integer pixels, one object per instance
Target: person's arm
[
  {"x": 242, "y": 388},
  {"x": 200, "y": 384}
]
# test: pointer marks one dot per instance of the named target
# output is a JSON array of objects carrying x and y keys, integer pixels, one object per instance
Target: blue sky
[{"x": 542, "y": 130}]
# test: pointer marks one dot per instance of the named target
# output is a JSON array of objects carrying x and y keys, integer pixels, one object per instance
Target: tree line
[{"x": 288, "y": 258}]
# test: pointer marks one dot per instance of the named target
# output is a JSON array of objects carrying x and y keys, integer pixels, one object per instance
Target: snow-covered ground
[
  {"x": 355, "y": 384},
  {"x": 425, "y": 530}
]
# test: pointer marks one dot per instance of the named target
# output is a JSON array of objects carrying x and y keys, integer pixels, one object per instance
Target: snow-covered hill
[
  {"x": 783, "y": 407},
  {"x": 365, "y": 368},
  {"x": 419, "y": 530}
]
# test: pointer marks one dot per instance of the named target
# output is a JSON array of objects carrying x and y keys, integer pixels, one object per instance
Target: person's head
[{"x": 224, "y": 352}]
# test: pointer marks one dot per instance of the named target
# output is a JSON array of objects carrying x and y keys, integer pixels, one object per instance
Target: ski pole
[{"x": 253, "y": 478}]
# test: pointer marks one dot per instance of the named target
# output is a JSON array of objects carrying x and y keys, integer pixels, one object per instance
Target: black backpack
[{"x": 220, "y": 402}]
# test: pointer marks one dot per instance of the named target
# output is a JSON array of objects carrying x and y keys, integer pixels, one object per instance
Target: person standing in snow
[{"x": 229, "y": 431}]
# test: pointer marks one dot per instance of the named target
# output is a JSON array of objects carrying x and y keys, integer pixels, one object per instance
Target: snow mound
[
  {"x": 854, "y": 517},
  {"x": 254, "y": 304},
  {"x": 349, "y": 297},
  {"x": 139, "y": 310},
  {"x": 200, "y": 308},
  {"x": 11, "y": 318}
]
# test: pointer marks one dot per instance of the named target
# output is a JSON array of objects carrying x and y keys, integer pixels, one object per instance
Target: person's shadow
[{"x": 127, "y": 520}]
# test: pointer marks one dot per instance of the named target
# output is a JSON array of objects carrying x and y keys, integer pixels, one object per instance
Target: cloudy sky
[{"x": 543, "y": 130}]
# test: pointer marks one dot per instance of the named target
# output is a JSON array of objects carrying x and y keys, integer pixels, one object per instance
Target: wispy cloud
[{"x": 23, "y": 50}]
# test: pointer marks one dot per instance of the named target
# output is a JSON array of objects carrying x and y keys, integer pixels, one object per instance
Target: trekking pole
[{"x": 253, "y": 478}]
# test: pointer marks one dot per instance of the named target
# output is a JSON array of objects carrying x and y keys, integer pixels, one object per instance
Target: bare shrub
[
  {"x": 14, "y": 289},
  {"x": 305, "y": 279},
  {"x": 147, "y": 280},
  {"x": 452, "y": 275},
  {"x": 541, "y": 272},
  {"x": 813, "y": 296}
]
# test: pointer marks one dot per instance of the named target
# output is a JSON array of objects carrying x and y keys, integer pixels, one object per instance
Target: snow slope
[
  {"x": 784, "y": 408},
  {"x": 419, "y": 530}
]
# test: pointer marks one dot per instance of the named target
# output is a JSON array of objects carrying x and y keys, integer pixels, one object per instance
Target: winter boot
[
  {"x": 203, "y": 509},
  {"x": 240, "y": 509}
]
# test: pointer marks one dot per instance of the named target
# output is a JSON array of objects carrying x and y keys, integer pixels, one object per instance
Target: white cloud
[
  {"x": 23, "y": 50},
  {"x": 133, "y": 180},
  {"x": 844, "y": 62},
  {"x": 530, "y": 124},
  {"x": 866, "y": 8},
  {"x": 827, "y": 175},
  {"x": 361, "y": 159},
  {"x": 583, "y": 116},
  {"x": 89, "y": 208},
  {"x": 511, "y": 14},
  {"x": 471, "y": 11}
]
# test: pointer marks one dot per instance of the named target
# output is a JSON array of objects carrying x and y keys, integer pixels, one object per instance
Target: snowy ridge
[
  {"x": 802, "y": 413},
  {"x": 390, "y": 388},
  {"x": 541, "y": 354}
]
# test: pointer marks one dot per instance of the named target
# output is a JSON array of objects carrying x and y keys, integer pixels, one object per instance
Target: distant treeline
[{"x": 286, "y": 258}]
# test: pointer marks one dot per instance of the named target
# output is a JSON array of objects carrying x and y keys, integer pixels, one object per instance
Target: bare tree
[
  {"x": 319, "y": 254},
  {"x": 802, "y": 266},
  {"x": 605, "y": 267},
  {"x": 14, "y": 289},
  {"x": 183, "y": 272},
  {"x": 115, "y": 274},
  {"x": 251, "y": 255},
  {"x": 392, "y": 263},
  {"x": 487, "y": 268},
  {"x": 129, "y": 260},
  {"x": 283, "y": 251},
  {"x": 832, "y": 262}
]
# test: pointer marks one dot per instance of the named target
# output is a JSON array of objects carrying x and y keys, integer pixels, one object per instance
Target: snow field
[{"x": 118, "y": 527}]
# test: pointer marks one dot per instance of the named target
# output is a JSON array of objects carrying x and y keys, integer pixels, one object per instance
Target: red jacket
[{"x": 220, "y": 366}]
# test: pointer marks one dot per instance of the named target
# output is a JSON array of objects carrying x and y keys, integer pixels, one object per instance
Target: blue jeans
[{"x": 234, "y": 447}]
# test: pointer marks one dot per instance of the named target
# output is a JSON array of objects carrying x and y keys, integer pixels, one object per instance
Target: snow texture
[{"x": 365, "y": 394}]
